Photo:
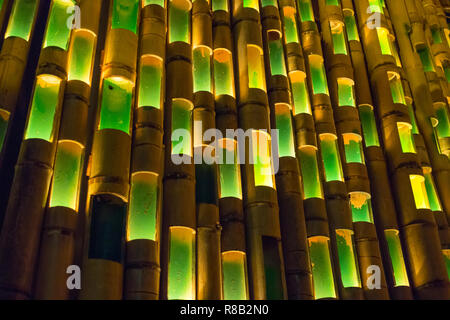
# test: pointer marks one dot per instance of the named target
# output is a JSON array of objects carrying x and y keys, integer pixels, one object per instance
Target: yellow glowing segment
[
  {"x": 223, "y": 72},
  {"x": 419, "y": 191},
  {"x": 406, "y": 137},
  {"x": 385, "y": 42},
  {"x": 300, "y": 94},
  {"x": 256, "y": 75},
  {"x": 262, "y": 162}
]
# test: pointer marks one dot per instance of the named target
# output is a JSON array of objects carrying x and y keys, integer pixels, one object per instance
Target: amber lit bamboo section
[
  {"x": 265, "y": 257},
  {"x": 143, "y": 236},
  {"x": 109, "y": 172},
  {"x": 36, "y": 159}
]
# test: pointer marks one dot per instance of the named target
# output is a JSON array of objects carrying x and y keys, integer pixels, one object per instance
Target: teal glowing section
[
  {"x": 219, "y": 5},
  {"x": 179, "y": 21},
  {"x": 312, "y": 186},
  {"x": 150, "y": 82},
  {"x": 81, "y": 55},
  {"x": 181, "y": 268},
  {"x": 305, "y": 10},
  {"x": 43, "y": 108},
  {"x": 353, "y": 148},
  {"x": 143, "y": 206},
  {"x": 300, "y": 95},
  {"x": 443, "y": 127},
  {"x": 21, "y": 19},
  {"x": 229, "y": 171},
  {"x": 276, "y": 55},
  {"x": 361, "y": 206},
  {"x": 4, "y": 120},
  {"x": 346, "y": 93},
  {"x": 117, "y": 95},
  {"x": 347, "y": 259},
  {"x": 202, "y": 69},
  {"x": 322, "y": 271},
  {"x": 351, "y": 27},
  {"x": 338, "y": 37},
  {"x": 234, "y": 275},
  {"x": 396, "y": 255},
  {"x": 330, "y": 157},
  {"x": 433, "y": 198},
  {"x": 318, "y": 76},
  {"x": 290, "y": 25},
  {"x": 285, "y": 132},
  {"x": 125, "y": 15},
  {"x": 425, "y": 57},
  {"x": 67, "y": 174},
  {"x": 58, "y": 33},
  {"x": 369, "y": 126},
  {"x": 181, "y": 119}
]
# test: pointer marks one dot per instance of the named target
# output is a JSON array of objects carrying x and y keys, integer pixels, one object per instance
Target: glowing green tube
[
  {"x": 436, "y": 35},
  {"x": 223, "y": 72},
  {"x": 332, "y": 2},
  {"x": 234, "y": 275},
  {"x": 347, "y": 259},
  {"x": 285, "y": 132},
  {"x": 369, "y": 126},
  {"x": 446, "y": 253},
  {"x": 425, "y": 57},
  {"x": 4, "y": 120},
  {"x": 305, "y": 10},
  {"x": 447, "y": 73},
  {"x": 412, "y": 116},
  {"x": 148, "y": 2},
  {"x": 256, "y": 75},
  {"x": 350, "y": 26},
  {"x": 262, "y": 164},
  {"x": 443, "y": 127},
  {"x": 338, "y": 37},
  {"x": 117, "y": 94},
  {"x": 312, "y": 187},
  {"x": 331, "y": 159},
  {"x": 181, "y": 119},
  {"x": 353, "y": 148},
  {"x": 396, "y": 255},
  {"x": 322, "y": 271},
  {"x": 202, "y": 69},
  {"x": 251, "y": 4},
  {"x": 43, "y": 108},
  {"x": 272, "y": 268},
  {"x": 181, "y": 277},
  {"x": 346, "y": 93},
  {"x": 229, "y": 170},
  {"x": 179, "y": 21},
  {"x": 433, "y": 197},
  {"x": 266, "y": 3},
  {"x": 376, "y": 6},
  {"x": 67, "y": 174},
  {"x": 406, "y": 137},
  {"x": 398, "y": 95},
  {"x": 220, "y": 5},
  {"x": 419, "y": 191},
  {"x": 21, "y": 20},
  {"x": 383, "y": 39},
  {"x": 318, "y": 75},
  {"x": 300, "y": 95},
  {"x": 276, "y": 55},
  {"x": 58, "y": 33},
  {"x": 143, "y": 206},
  {"x": 290, "y": 25},
  {"x": 125, "y": 15},
  {"x": 361, "y": 207},
  {"x": 150, "y": 82},
  {"x": 81, "y": 56}
]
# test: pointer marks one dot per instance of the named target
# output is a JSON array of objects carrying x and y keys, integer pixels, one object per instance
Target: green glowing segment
[
  {"x": 425, "y": 57},
  {"x": 158, "y": 2},
  {"x": 143, "y": 206},
  {"x": 361, "y": 207},
  {"x": 21, "y": 20},
  {"x": 330, "y": 156},
  {"x": 412, "y": 116},
  {"x": 256, "y": 77},
  {"x": 305, "y": 10},
  {"x": 4, "y": 119},
  {"x": 300, "y": 95},
  {"x": 436, "y": 35},
  {"x": 266, "y": 3},
  {"x": 276, "y": 54},
  {"x": 57, "y": 33},
  {"x": 223, "y": 72},
  {"x": 179, "y": 21},
  {"x": 202, "y": 69},
  {"x": 321, "y": 268},
  {"x": 262, "y": 165},
  {"x": 230, "y": 173},
  {"x": 272, "y": 268},
  {"x": 419, "y": 191},
  {"x": 117, "y": 94},
  {"x": 435, "y": 204},
  {"x": 251, "y": 4},
  {"x": 345, "y": 92},
  {"x": 318, "y": 76},
  {"x": 338, "y": 37},
  {"x": 43, "y": 108},
  {"x": 446, "y": 253},
  {"x": 383, "y": 39},
  {"x": 406, "y": 137},
  {"x": 181, "y": 273},
  {"x": 81, "y": 56},
  {"x": 66, "y": 178},
  {"x": 285, "y": 133},
  {"x": 150, "y": 82},
  {"x": 443, "y": 127},
  {"x": 312, "y": 187},
  {"x": 369, "y": 126},
  {"x": 234, "y": 276},
  {"x": 290, "y": 25},
  {"x": 447, "y": 73},
  {"x": 396, "y": 255},
  {"x": 398, "y": 95},
  {"x": 125, "y": 15},
  {"x": 332, "y": 2},
  {"x": 181, "y": 119},
  {"x": 352, "y": 29},
  {"x": 220, "y": 5},
  {"x": 353, "y": 148},
  {"x": 376, "y": 6},
  {"x": 347, "y": 259}
]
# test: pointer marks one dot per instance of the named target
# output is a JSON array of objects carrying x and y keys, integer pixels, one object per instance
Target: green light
[
  {"x": 447, "y": 73},
  {"x": 361, "y": 207},
  {"x": 202, "y": 69},
  {"x": 446, "y": 253},
  {"x": 332, "y": 2},
  {"x": 352, "y": 29},
  {"x": 181, "y": 277},
  {"x": 300, "y": 95},
  {"x": 346, "y": 93},
  {"x": 229, "y": 171},
  {"x": 251, "y": 4},
  {"x": 412, "y": 117},
  {"x": 58, "y": 34},
  {"x": 419, "y": 191},
  {"x": 312, "y": 187},
  {"x": 125, "y": 15},
  {"x": 319, "y": 252},
  {"x": 290, "y": 25},
  {"x": 353, "y": 148},
  {"x": 443, "y": 127},
  {"x": 21, "y": 20},
  {"x": 81, "y": 55},
  {"x": 285, "y": 133},
  {"x": 255, "y": 65},
  {"x": 262, "y": 165},
  {"x": 143, "y": 206},
  {"x": 43, "y": 108},
  {"x": 158, "y": 2},
  {"x": 318, "y": 76},
  {"x": 117, "y": 94},
  {"x": 383, "y": 39},
  {"x": 425, "y": 57},
  {"x": 67, "y": 174},
  {"x": 406, "y": 137},
  {"x": 220, "y": 5},
  {"x": 272, "y": 268},
  {"x": 436, "y": 35},
  {"x": 398, "y": 95},
  {"x": 435, "y": 204},
  {"x": 276, "y": 55},
  {"x": 331, "y": 159},
  {"x": 179, "y": 21},
  {"x": 396, "y": 255},
  {"x": 181, "y": 119},
  {"x": 338, "y": 37},
  {"x": 305, "y": 10},
  {"x": 266, "y": 3},
  {"x": 375, "y": 6},
  {"x": 150, "y": 82},
  {"x": 369, "y": 126},
  {"x": 4, "y": 120},
  {"x": 347, "y": 259},
  {"x": 223, "y": 72},
  {"x": 234, "y": 275}
]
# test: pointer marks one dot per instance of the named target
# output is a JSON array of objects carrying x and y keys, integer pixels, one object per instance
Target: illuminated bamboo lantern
[
  {"x": 265, "y": 257},
  {"x": 57, "y": 244},
  {"x": 233, "y": 246},
  {"x": 108, "y": 186},
  {"x": 34, "y": 168},
  {"x": 290, "y": 198},
  {"x": 178, "y": 250}
]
